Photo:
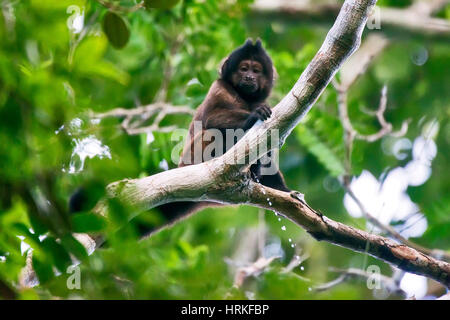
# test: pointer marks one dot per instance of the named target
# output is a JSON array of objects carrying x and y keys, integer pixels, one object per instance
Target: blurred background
[{"x": 91, "y": 91}]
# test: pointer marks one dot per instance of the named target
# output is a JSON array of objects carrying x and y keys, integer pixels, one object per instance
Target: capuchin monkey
[{"x": 237, "y": 100}]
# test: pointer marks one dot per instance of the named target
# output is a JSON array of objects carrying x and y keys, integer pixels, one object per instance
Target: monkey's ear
[
  {"x": 222, "y": 66},
  {"x": 258, "y": 43},
  {"x": 248, "y": 42},
  {"x": 275, "y": 74}
]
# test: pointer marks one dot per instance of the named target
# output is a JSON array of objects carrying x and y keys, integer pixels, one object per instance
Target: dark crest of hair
[{"x": 250, "y": 51}]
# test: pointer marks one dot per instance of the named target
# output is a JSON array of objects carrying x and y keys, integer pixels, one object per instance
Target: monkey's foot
[
  {"x": 298, "y": 196},
  {"x": 301, "y": 197}
]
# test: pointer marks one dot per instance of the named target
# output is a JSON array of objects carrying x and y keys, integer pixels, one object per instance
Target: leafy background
[{"x": 51, "y": 74}]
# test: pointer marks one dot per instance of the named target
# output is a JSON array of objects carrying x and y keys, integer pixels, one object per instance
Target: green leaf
[
  {"x": 194, "y": 88},
  {"x": 320, "y": 150},
  {"x": 74, "y": 247},
  {"x": 87, "y": 222},
  {"x": 43, "y": 270},
  {"x": 61, "y": 258},
  {"x": 116, "y": 30},
  {"x": 160, "y": 4}
]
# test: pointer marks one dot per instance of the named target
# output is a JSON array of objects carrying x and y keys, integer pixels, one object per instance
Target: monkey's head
[{"x": 250, "y": 71}]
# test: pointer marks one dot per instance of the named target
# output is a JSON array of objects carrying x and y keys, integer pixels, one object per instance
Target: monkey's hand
[{"x": 262, "y": 112}]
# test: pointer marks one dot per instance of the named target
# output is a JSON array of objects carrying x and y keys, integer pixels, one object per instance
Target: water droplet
[
  {"x": 290, "y": 240},
  {"x": 150, "y": 138},
  {"x": 283, "y": 228},
  {"x": 279, "y": 219},
  {"x": 302, "y": 268},
  {"x": 419, "y": 56},
  {"x": 164, "y": 165},
  {"x": 59, "y": 129},
  {"x": 270, "y": 203},
  {"x": 88, "y": 147}
]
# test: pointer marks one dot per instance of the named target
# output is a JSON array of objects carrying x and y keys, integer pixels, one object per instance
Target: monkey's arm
[
  {"x": 236, "y": 118},
  {"x": 226, "y": 118}
]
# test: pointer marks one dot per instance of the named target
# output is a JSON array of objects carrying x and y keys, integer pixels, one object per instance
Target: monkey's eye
[
  {"x": 256, "y": 71},
  {"x": 244, "y": 69}
]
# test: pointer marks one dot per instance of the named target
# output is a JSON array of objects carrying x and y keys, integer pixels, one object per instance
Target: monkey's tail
[
  {"x": 172, "y": 212},
  {"x": 176, "y": 211}
]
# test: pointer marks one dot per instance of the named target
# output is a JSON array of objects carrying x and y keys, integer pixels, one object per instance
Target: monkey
[{"x": 236, "y": 100}]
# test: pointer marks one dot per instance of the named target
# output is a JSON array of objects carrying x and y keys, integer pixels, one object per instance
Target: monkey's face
[{"x": 249, "y": 77}]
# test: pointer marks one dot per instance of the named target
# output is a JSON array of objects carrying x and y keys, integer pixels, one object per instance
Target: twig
[
  {"x": 389, "y": 283},
  {"x": 296, "y": 260},
  {"x": 428, "y": 7},
  {"x": 168, "y": 68},
  {"x": 83, "y": 33},
  {"x": 252, "y": 270},
  {"x": 248, "y": 259},
  {"x": 351, "y": 133},
  {"x": 135, "y": 118},
  {"x": 118, "y": 8},
  {"x": 358, "y": 63}
]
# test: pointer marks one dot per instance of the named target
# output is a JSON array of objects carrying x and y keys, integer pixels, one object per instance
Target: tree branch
[
  {"x": 134, "y": 119},
  {"x": 391, "y": 284},
  {"x": 416, "y": 18},
  {"x": 323, "y": 228}
]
